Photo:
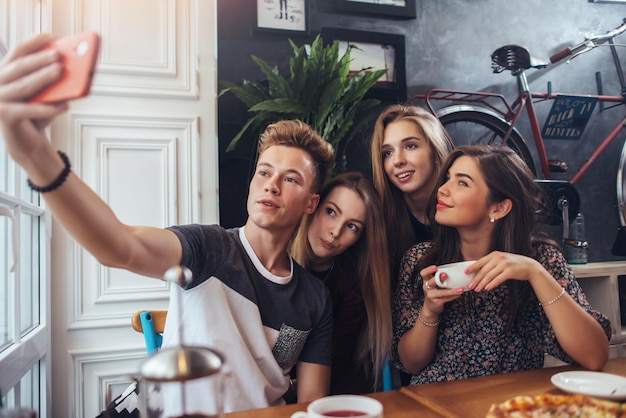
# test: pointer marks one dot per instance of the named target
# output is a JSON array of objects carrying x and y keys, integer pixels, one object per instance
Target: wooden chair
[{"x": 152, "y": 324}]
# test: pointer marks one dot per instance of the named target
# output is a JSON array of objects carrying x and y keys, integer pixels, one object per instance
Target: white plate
[{"x": 600, "y": 385}]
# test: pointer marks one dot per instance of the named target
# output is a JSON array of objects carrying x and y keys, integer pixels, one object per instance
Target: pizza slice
[{"x": 560, "y": 406}]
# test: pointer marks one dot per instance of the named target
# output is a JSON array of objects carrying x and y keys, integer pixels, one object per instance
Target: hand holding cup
[{"x": 455, "y": 276}]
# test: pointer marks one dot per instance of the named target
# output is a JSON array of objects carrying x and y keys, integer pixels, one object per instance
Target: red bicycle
[{"x": 476, "y": 117}]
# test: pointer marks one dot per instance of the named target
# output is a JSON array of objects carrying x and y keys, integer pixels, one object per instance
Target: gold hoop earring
[{"x": 492, "y": 219}]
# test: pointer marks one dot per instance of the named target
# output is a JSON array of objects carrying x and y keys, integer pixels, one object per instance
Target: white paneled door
[{"x": 145, "y": 141}]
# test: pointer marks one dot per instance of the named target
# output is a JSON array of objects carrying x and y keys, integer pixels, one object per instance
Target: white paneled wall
[
  {"x": 145, "y": 142},
  {"x": 149, "y": 50},
  {"x": 144, "y": 169},
  {"x": 101, "y": 372}
]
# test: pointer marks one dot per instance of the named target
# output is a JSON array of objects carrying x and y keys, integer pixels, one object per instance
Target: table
[
  {"x": 473, "y": 397},
  {"x": 467, "y": 398}
]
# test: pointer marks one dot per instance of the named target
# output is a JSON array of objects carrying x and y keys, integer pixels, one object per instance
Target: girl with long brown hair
[
  {"x": 345, "y": 245},
  {"x": 524, "y": 300}
]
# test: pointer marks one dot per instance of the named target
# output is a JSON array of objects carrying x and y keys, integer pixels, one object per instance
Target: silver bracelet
[
  {"x": 551, "y": 301},
  {"x": 423, "y": 321}
]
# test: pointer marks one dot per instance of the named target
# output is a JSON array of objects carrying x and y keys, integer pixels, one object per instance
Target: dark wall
[{"x": 447, "y": 45}]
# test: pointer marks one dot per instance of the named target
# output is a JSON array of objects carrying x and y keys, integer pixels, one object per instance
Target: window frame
[{"x": 25, "y": 359}]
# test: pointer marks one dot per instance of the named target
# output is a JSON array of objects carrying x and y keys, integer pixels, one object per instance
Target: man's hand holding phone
[
  {"x": 79, "y": 54},
  {"x": 33, "y": 91}
]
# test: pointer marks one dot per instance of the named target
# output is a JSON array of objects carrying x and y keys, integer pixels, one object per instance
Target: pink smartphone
[{"x": 80, "y": 53}]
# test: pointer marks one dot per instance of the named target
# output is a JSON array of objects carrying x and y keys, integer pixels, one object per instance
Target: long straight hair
[
  {"x": 370, "y": 255},
  {"x": 391, "y": 197}
]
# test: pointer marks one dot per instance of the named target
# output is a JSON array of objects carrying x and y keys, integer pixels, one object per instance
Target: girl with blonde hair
[{"x": 408, "y": 147}]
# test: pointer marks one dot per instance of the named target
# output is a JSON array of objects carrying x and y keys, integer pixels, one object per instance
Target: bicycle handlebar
[
  {"x": 558, "y": 56},
  {"x": 588, "y": 44}
]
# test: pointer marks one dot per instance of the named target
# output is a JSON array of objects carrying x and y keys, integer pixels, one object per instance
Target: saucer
[{"x": 596, "y": 384}]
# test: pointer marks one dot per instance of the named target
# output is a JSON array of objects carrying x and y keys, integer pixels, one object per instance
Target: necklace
[
  {"x": 327, "y": 275},
  {"x": 329, "y": 271}
]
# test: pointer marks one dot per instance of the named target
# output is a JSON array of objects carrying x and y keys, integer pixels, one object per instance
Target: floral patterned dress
[{"x": 474, "y": 338}]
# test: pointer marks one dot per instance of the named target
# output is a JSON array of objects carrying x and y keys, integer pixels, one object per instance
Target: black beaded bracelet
[{"x": 58, "y": 181}]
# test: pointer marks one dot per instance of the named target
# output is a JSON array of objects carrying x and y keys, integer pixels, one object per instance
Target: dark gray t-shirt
[{"x": 263, "y": 323}]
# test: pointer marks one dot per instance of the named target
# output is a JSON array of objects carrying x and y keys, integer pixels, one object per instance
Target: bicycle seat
[{"x": 514, "y": 58}]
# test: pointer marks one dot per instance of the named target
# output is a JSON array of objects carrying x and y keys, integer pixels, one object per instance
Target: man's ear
[
  {"x": 501, "y": 209},
  {"x": 313, "y": 202}
]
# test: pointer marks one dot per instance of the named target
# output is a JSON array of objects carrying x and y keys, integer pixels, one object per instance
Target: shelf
[
  {"x": 600, "y": 282},
  {"x": 600, "y": 269}
]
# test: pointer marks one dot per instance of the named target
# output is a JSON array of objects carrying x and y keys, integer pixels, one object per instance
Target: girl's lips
[
  {"x": 441, "y": 205},
  {"x": 326, "y": 244},
  {"x": 404, "y": 176}
]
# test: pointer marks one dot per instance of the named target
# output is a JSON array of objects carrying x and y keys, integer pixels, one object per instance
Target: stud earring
[{"x": 492, "y": 219}]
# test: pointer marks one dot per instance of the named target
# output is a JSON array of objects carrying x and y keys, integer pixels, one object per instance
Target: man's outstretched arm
[{"x": 23, "y": 72}]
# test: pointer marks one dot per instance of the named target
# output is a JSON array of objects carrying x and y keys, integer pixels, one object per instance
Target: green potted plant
[{"x": 321, "y": 91}]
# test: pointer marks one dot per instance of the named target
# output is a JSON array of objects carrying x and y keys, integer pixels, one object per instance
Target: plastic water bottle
[{"x": 576, "y": 246}]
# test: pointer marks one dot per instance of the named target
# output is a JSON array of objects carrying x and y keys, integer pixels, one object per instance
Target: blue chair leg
[
  {"x": 153, "y": 340},
  {"x": 387, "y": 379}
]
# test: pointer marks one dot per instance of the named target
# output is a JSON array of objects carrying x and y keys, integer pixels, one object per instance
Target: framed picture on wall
[
  {"x": 375, "y": 50},
  {"x": 396, "y": 8},
  {"x": 283, "y": 16}
]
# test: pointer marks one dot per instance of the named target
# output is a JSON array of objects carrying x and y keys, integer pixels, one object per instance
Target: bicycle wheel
[
  {"x": 619, "y": 244},
  {"x": 621, "y": 187},
  {"x": 467, "y": 125}
]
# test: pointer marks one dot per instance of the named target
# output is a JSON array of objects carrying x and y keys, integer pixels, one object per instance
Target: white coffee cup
[
  {"x": 336, "y": 405},
  {"x": 456, "y": 275}
]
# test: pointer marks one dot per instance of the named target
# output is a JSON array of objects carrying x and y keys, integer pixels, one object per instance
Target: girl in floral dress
[{"x": 524, "y": 300}]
